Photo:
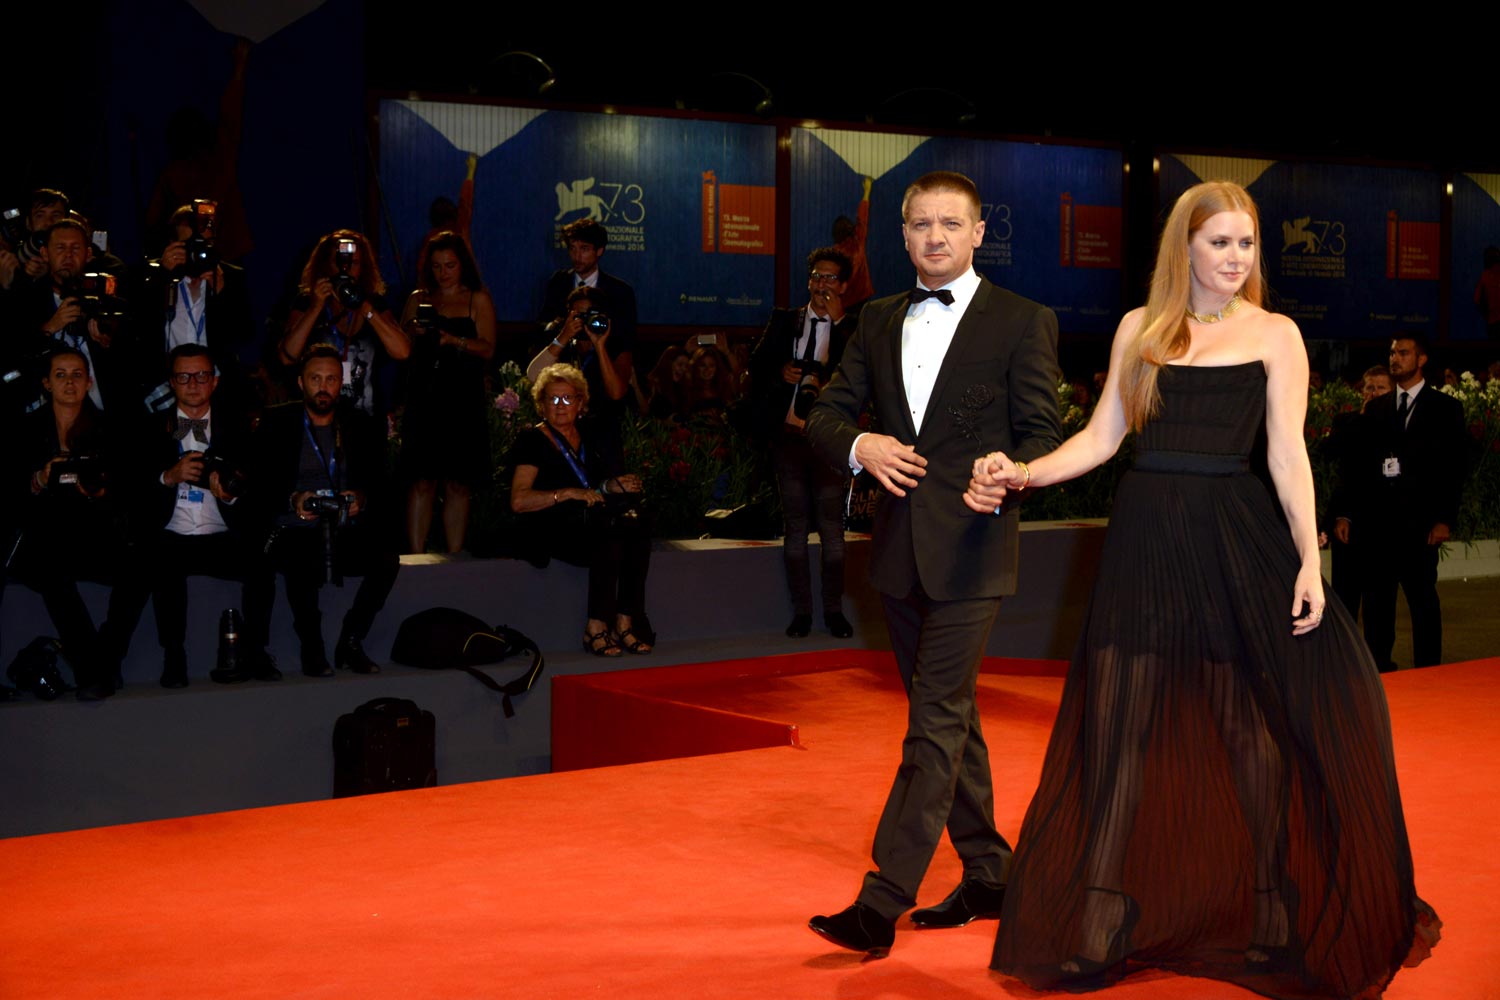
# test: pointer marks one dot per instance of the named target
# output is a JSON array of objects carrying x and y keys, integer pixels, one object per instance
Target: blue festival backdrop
[
  {"x": 690, "y": 206},
  {"x": 1351, "y": 252},
  {"x": 1476, "y": 226},
  {"x": 1052, "y": 213}
]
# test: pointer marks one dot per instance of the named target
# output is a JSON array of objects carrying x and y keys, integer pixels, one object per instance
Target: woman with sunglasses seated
[{"x": 581, "y": 507}]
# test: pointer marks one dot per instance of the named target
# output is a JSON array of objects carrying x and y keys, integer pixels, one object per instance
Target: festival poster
[
  {"x": 1350, "y": 252},
  {"x": 689, "y": 205},
  {"x": 1476, "y": 230},
  {"x": 1052, "y": 214}
]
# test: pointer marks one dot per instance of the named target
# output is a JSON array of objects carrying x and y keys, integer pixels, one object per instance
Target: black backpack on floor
[
  {"x": 446, "y": 638},
  {"x": 385, "y": 745}
]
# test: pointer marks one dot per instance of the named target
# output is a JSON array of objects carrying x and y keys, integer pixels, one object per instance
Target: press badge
[
  {"x": 1391, "y": 467},
  {"x": 189, "y": 494}
]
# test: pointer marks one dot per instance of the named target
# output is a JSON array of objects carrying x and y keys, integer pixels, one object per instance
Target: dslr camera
[
  {"x": 813, "y": 374},
  {"x": 202, "y": 257},
  {"x": 231, "y": 479},
  {"x": 332, "y": 508},
  {"x": 95, "y": 292},
  {"x": 595, "y": 321},
  {"x": 83, "y": 471},
  {"x": 13, "y": 230},
  {"x": 345, "y": 287}
]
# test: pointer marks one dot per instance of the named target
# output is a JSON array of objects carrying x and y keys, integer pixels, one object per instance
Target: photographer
[
  {"x": 318, "y": 472},
  {"x": 788, "y": 368},
  {"x": 585, "y": 240},
  {"x": 191, "y": 296},
  {"x": 341, "y": 303},
  {"x": 584, "y": 337},
  {"x": 445, "y": 432},
  {"x": 72, "y": 467},
  {"x": 581, "y": 507},
  {"x": 25, "y": 234},
  {"x": 77, "y": 307},
  {"x": 197, "y": 512}
]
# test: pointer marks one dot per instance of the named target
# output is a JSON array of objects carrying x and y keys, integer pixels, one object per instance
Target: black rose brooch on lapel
[{"x": 966, "y": 413}]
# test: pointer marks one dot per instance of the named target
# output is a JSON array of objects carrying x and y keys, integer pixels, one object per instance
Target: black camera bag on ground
[
  {"x": 446, "y": 638},
  {"x": 385, "y": 745}
]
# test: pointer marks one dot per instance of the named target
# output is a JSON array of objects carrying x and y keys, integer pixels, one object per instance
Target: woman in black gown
[
  {"x": 445, "y": 433},
  {"x": 1219, "y": 794}
]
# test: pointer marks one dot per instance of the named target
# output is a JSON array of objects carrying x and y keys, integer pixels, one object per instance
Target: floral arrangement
[{"x": 1478, "y": 513}]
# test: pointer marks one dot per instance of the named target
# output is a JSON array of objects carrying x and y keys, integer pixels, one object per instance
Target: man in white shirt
[
  {"x": 199, "y": 452},
  {"x": 954, "y": 367}
]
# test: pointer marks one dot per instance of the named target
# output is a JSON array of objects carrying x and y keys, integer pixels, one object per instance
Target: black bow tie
[
  {"x": 187, "y": 425},
  {"x": 943, "y": 295}
]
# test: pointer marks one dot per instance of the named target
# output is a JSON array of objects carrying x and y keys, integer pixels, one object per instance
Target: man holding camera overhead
[
  {"x": 318, "y": 471},
  {"x": 198, "y": 509},
  {"x": 789, "y": 366},
  {"x": 191, "y": 296}
]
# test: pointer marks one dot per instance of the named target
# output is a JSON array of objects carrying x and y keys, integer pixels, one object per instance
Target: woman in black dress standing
[
  {"x": 445, "y": 432},
  {"x": 1219, "y": 793}
]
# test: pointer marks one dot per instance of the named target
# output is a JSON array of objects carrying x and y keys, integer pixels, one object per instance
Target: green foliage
[{"x": 1478, "y": 512}]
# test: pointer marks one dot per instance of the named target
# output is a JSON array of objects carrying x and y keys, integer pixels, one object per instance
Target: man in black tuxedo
[
  {"x": 309, "y": 459},
  {"x": 1405, "y": 474},
  {"x": 790, "y": 364},
  {"x": 197, "y": 511},
  {"x": 955, "y": 367},
  {"x": 586, "y": 240},
  {"x": 183, "y": 300}
]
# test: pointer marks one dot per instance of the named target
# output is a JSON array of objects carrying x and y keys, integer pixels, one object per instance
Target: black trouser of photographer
[
  {"x": 616, "y": 548},
  {"x": 811, "y": 491},
  {"x": 53, "y": 561},
  {"x": 360, "y": 549},
  {"x": 226, "y": 555}
]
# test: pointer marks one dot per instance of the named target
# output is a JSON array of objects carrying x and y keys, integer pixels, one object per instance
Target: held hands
[
  {"x": 1307, "y": 593},
  {"x": 994, "y": 476},
  {"x": 893, "y": 464}
]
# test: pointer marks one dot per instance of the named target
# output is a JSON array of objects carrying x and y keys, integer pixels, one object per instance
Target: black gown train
[{"x": 1219, "y": 796}]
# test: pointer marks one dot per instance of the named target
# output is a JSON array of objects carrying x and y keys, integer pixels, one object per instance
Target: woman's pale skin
[
  {"x": 1222, "y": 254},
  {"x": 561, "y": 403},
  {"x": 452, "y": 299}
]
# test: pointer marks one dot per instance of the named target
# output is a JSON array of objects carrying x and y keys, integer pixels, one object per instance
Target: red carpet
[{"x": 689, "y": 877}]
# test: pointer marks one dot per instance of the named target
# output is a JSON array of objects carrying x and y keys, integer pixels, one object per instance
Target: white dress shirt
[{"x": 197, "y": 511}]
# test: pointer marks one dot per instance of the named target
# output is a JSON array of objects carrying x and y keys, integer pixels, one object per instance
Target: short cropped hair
[
  {"x": 317, "y": 351},
  {"x": 586, "y": 230},
  {"x": 560, "y": 373},
  {"x": 833, "y": 256},
  {"x": 942, "y": 180}
]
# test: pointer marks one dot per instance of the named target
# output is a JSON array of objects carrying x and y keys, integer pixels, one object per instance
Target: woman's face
[
  {"x": 561, "y": 402},
  {"x": 706, "y": 368},
  {"x": 680, "y": 367},
  {"x": 1220, "y": 255},
  {"x": 445, "y": 269}
]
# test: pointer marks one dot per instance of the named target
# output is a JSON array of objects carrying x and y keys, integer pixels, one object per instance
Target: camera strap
[
  {"x": 197, "y": 322},
  {"x": 575, "y": 459},
  {"x": 341, "y": 338},
  {"x": 330, "y": 463}
]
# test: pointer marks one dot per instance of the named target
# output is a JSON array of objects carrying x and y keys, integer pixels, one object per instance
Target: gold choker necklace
[{"x": 1215, "y": 317}]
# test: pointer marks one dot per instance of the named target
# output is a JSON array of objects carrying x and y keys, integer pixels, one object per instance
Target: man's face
[
  {"x": 320, "y": 382},
  {"x": 193, "y": 382},
  {"x": 585, "y": 257},
  {"x": 67, "y": 254},
  {"x": 941, "y": 234},
  {"x": 44, "y": 217},
  {"x": 823, "y": 280},
  {"x": 1375, "y": 385},
  {"x": 1406, "y": 362},
  {"x": 67, "y": 380}
]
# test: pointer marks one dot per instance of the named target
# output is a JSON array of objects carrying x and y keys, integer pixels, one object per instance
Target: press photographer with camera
[
  {"x": 580, "y": 506},
  {"x": 794, "y": 359},
  {"x": 74, "y": 468},
  {"x": 23, "y": 235},
  {"x": 584, "y": 336},
  {"x": 77, "y": 307},
  {"x": 318, "y": 469},
  {"x": 189, "y": 295},
  {"x": 444, "y": 430},
  {"x": 342, "y": 303},
  {"x": 197, "y": 510}
]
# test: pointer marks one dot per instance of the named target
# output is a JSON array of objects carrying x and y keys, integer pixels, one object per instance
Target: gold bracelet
[{"x": 1026, "y": 469}]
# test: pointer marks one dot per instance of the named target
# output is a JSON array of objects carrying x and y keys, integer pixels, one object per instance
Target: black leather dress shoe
[
  {"x": 972, "y": 900},
  {"x": 838, "y": 625},
  {"x": 800, "y": 628},
  {"x": 315, "y": 661},
  {"x": 174, "y": 669},
  {"x": 351, "y": 655},
  {"x": 263, "y": 666},
  {"x": 859, "y": 928}
]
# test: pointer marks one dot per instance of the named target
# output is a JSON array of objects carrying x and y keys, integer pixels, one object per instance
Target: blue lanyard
[
  {"x": 198, "y": 321},
  {"x": 340, "y": 337},
  {"x": 330, "y": 464},
  {"x": 575, "y": 459}
]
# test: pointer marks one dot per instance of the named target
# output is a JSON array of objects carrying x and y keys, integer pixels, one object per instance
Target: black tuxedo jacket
[
  {"x": 276, "y": 450},
  {"x": 25, "y": 343},
  {"x": 1432, "y": 450},
  {"x": 228, "y": 435},
  {"x": 618, "y": 302},
  {"x": 773, "y": 394},
  {"x": 996, "y": 390}
]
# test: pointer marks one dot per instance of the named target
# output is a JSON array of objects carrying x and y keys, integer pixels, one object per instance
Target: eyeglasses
[
  {"x": 561, "y": 400},
  {"x": 824, "y": 277},
  {"x": 183, "y": 378}
]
